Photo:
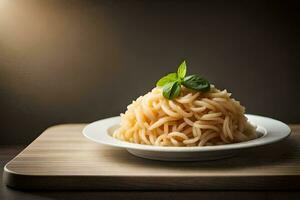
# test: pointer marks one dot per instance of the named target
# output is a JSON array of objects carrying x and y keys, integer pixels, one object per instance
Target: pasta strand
[{"x": 192, "y": 119}]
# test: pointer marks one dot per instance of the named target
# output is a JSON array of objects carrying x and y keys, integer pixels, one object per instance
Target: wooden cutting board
[{"x": 62, "y": 158}]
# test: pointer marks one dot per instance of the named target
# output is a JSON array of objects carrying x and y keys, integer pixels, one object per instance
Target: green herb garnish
[{"x": 172, "y": 82}]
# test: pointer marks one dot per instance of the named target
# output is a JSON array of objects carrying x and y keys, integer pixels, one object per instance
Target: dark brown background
[{"x": 79, "y": 61}]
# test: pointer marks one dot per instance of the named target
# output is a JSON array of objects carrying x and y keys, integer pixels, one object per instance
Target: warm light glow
[
  {"x": 42, "y": 41},
  {"x": 3, "y": 4}
]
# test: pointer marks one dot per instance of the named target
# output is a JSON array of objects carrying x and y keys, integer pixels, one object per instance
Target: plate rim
[{"x": 266, "y": 139}]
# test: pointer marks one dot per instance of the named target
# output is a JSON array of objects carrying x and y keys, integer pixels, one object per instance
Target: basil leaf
[
  {"x": 195, "y": 82},
  {"x": 171, "y": 90},
  {"x": 181, "y": 72},
  {"x": 175, "y": 90},
  {"x": 166, "y": 79}
]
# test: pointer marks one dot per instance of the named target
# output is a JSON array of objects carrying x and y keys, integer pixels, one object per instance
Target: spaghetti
[{"x": 192, "y": 119}]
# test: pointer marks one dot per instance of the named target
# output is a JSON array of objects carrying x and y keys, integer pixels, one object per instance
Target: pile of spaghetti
[{"x": 193, "y": 118}]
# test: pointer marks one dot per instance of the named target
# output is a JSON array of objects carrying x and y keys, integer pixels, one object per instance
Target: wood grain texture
[
  {"x": 61, "y": 158},
  {"x": 7, "y": 152}
]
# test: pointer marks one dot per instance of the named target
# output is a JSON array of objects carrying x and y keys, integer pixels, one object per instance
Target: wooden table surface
[
  {"x": 282, "y": 158},
  {"x": 8, "y": 152}
]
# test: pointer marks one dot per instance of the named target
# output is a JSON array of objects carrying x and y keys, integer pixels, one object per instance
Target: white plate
[{"x": 269, "y": 130}]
